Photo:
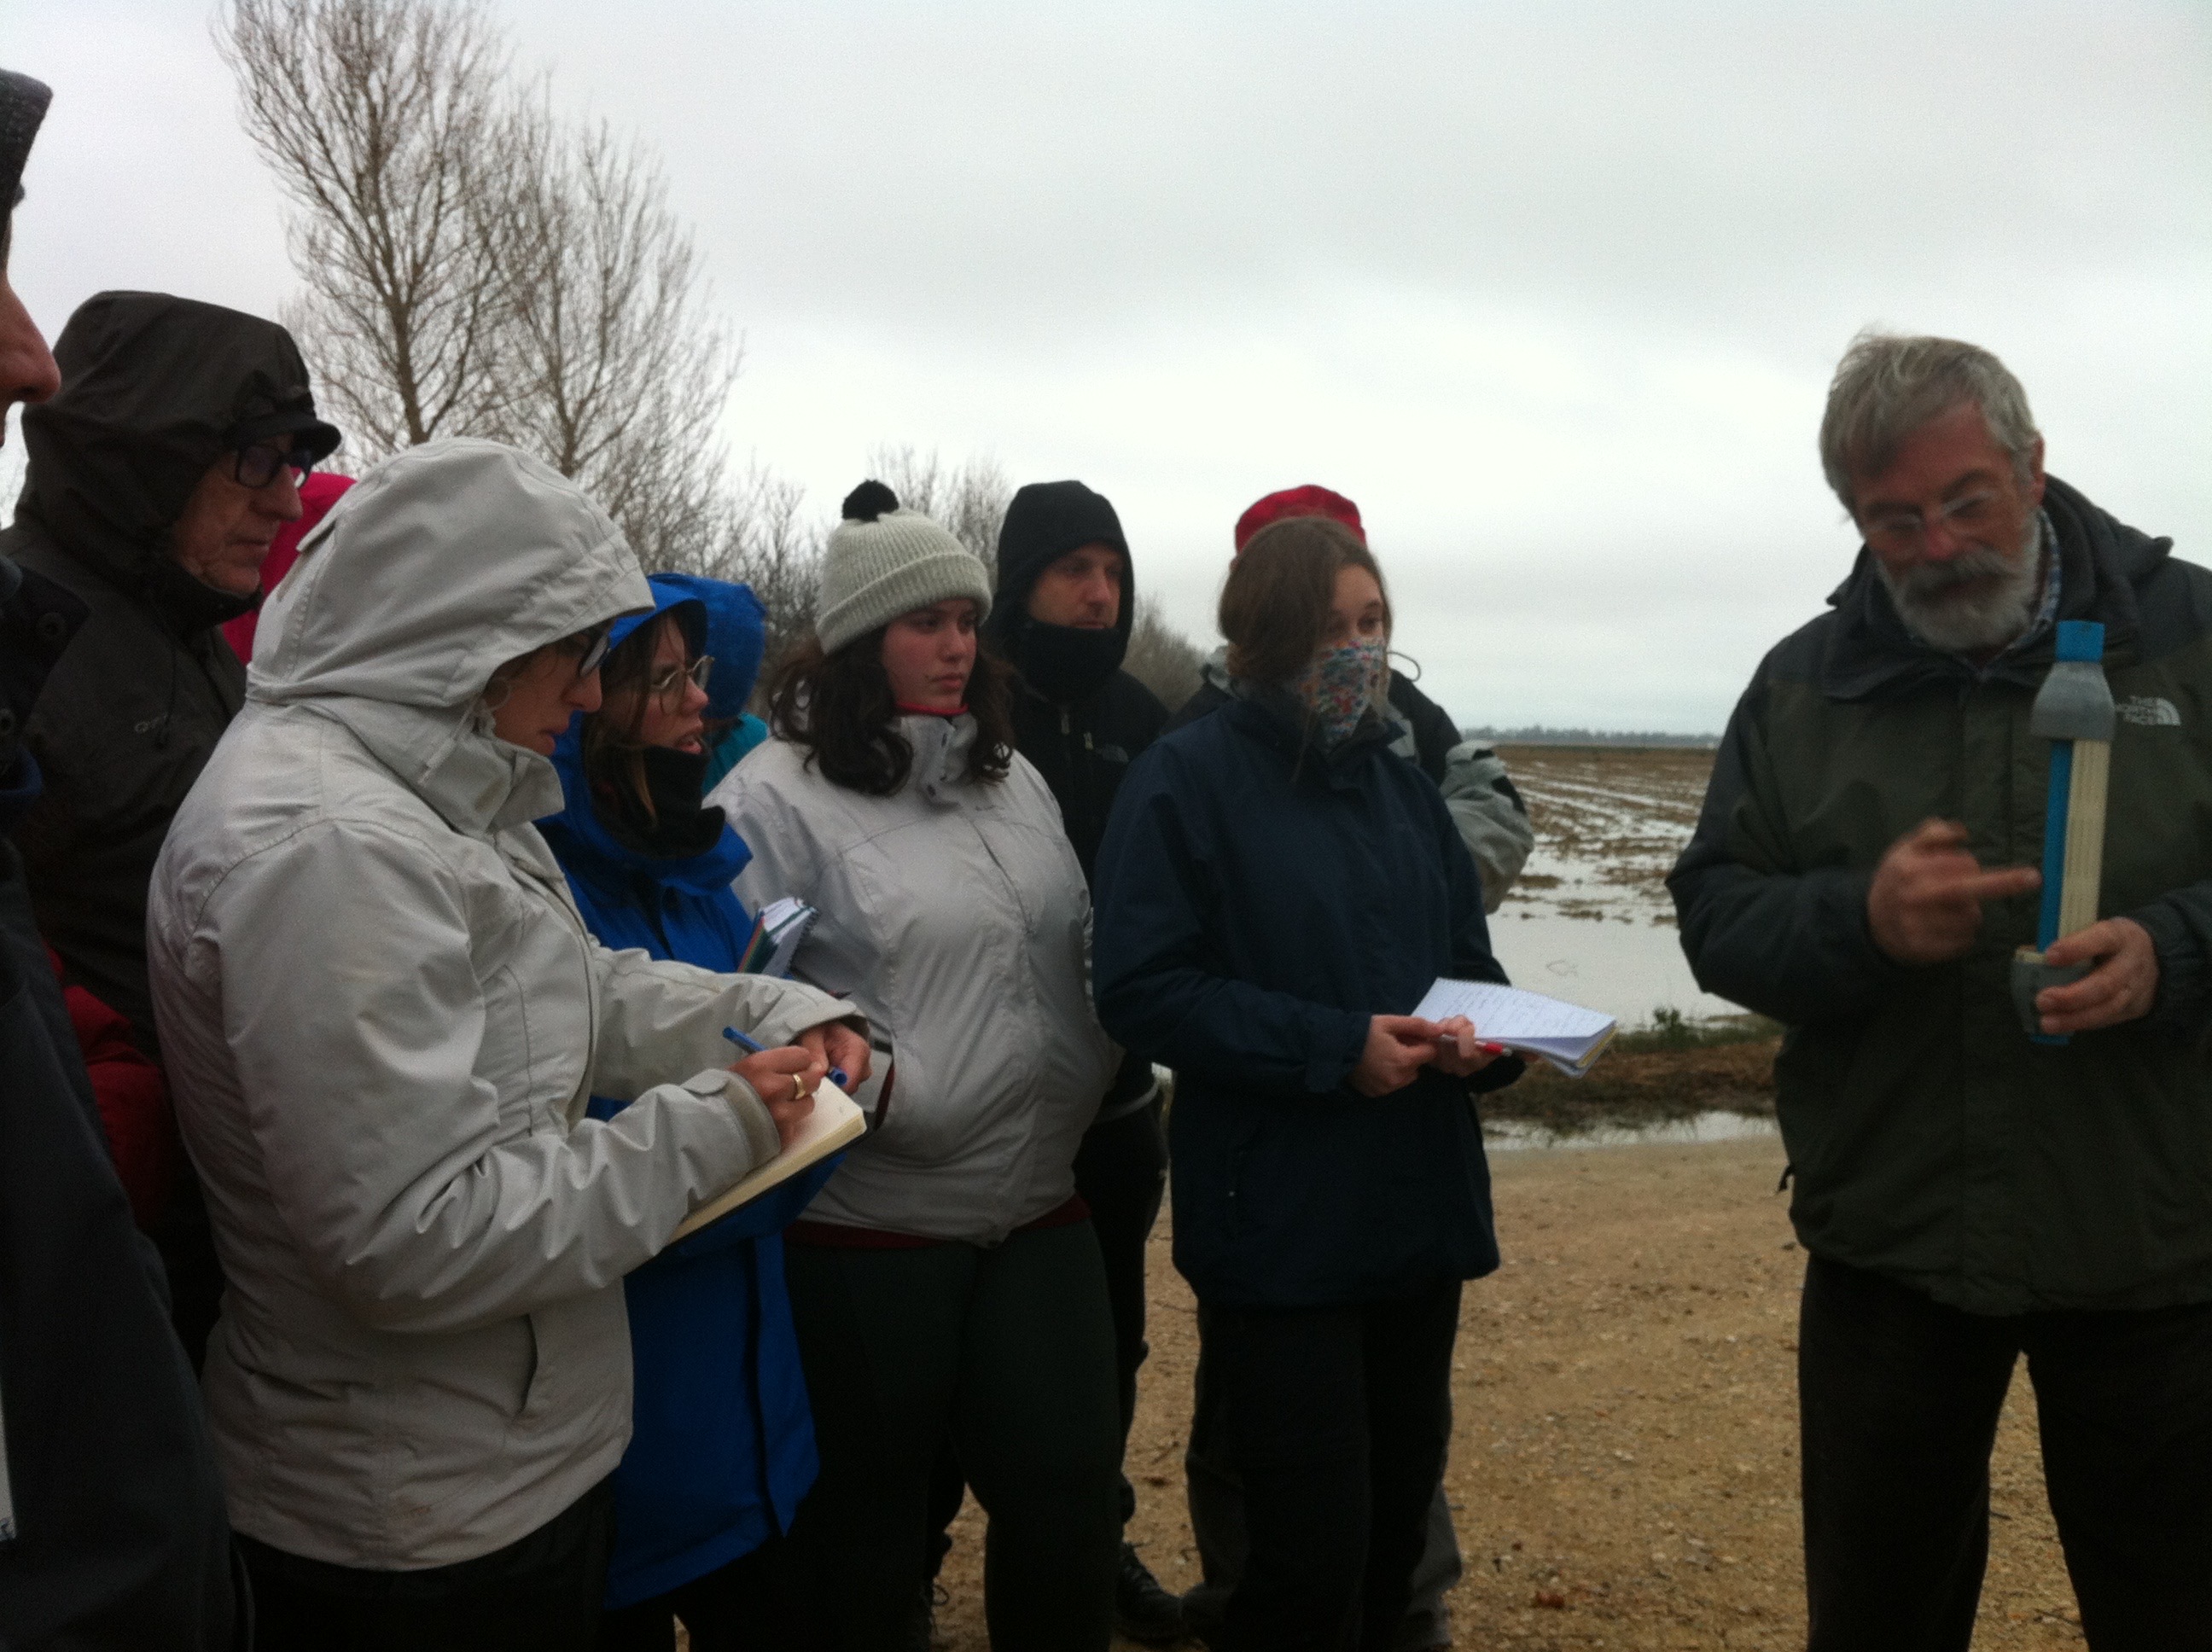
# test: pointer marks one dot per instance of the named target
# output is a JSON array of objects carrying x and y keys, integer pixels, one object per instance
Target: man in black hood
[
  {"x": 158, "y": 474},
  {"x": 1064, "y": 605},
  {"x": 111, "y": 1526}
]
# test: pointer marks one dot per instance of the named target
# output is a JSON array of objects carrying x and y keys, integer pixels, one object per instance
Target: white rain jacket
[
  {"x": 955, "y": 916},
  {"x": 382, "y": 1018}
]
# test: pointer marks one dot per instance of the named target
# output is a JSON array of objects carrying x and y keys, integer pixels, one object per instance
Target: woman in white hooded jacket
[
  {"x": 946, "y": 1282},
  {"x": 382, "y": 1019}
]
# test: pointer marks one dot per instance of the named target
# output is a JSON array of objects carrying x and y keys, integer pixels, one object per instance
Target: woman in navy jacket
[
  {"x": 1275, "y": 891},
  {"x": 722, "y": 1448}
]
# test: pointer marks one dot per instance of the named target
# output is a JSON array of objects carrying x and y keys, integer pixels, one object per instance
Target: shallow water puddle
[
  {"x": 1510, "y": 1136},
  {"x": 1591, "y": 920}
]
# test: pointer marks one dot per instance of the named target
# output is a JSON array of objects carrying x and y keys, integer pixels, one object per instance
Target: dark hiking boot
[{"x": 1143, "y": 1611}]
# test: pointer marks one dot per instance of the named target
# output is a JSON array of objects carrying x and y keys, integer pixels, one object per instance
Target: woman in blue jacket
[
  {"x": 722, "y": 1448},
  {"x": 1275, "y": 890}
]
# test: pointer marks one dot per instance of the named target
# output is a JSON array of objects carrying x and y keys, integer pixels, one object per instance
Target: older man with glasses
[
  {"x": 158, "y": 474},
  {"x": 1971, "y": 1189}
]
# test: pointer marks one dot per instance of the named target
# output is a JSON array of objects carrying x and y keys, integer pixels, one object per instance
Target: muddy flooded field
[{"x": 1590, "y": 919}]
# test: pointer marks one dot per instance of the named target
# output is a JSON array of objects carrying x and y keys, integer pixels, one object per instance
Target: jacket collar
[
  {"x": 1871, "y": 654},
  {"x": 478, "y": 783},
  {"x": 1276, "y": 718},
  {"x": 940, "y": 747}
]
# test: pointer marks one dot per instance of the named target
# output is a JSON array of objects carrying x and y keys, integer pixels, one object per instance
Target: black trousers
[
  {"x": 1899, "y": 1399},
  {"x": 1008, "y": 1351},
  {"x": 540, "y": 1594},
  {"x": 1122, "y": 1171},
  {"x": 1337, "y": 1421},
  {"x": 751, "y": 1605}
]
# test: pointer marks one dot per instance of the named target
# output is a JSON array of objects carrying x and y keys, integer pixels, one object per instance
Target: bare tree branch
[
  {"x": 386, "y": 127},
  {"x": 969, "y": 499}
]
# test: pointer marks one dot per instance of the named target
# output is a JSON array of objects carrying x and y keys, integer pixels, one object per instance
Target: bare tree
[
  {"x": 771, "y": 547},
  {"x": 618, "y": 369},
  {"x": 969, "y": 499},
  {"x": 1162, "y": 658},
  {"x": 386, "y": 124}
]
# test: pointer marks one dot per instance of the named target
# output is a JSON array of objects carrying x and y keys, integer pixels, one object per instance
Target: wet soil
[{"x": 1624, "y": 1460}]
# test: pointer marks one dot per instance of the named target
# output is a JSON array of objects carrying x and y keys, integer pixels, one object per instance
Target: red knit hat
[{"x": 1308, "y": 500}]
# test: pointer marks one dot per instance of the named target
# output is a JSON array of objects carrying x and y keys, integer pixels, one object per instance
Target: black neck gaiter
[
  {"x": 677, "y": 827},
  {"x": 1068, "y": 662}
]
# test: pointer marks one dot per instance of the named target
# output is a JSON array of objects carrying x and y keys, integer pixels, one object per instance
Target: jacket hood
[
  {"x": 2105, "y": 566},
  {"x": 581, "y": 838},
  {"x": 1044, "y": 522},
  {"x": 437, "y": 568},
  {"x": 155, "y": 389}
]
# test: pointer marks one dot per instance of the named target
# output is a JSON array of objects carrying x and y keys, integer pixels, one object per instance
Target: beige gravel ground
[{"x": 1624, "y": 1459}]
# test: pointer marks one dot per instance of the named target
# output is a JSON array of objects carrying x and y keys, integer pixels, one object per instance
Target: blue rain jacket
[
  {"x": 1256, "y": 904},
  {"x": 722, "y": 1448}
]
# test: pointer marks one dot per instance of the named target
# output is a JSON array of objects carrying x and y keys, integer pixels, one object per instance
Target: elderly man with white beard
[{"x": 1862, "y": 871}]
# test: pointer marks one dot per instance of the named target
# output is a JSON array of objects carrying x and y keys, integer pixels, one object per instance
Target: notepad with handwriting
[
  {"x": 834, "y": 1122},
  {"x": 1566, "y": 1035}
]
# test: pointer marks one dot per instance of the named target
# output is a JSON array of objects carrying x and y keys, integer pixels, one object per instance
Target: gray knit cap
[{"x": 882, "y": 562}]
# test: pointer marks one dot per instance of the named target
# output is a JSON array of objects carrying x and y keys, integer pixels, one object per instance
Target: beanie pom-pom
[{"x": 868, "y": 501}]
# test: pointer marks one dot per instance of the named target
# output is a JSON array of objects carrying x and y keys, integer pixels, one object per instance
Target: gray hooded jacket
[
  {"x": 953, "y": 913},
  {"x": 383, "y": 1017}
]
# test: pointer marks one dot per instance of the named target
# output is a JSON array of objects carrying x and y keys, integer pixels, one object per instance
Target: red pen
[{"x": 1491, "y": 1050}]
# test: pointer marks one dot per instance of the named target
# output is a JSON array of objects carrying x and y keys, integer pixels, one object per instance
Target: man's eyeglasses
[
  {"x": 257, "y": 464},
  {"x": 1901, "y": 530},
  {"x": 668, "y": 685}
]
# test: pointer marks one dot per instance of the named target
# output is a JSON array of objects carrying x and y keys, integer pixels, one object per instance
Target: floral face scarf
[{"x": 1339, "y": 686}]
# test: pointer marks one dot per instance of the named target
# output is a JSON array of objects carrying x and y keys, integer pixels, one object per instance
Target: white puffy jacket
[
  {"x": 955, "y": 915},
  {"x": 382, "y": 1017}
]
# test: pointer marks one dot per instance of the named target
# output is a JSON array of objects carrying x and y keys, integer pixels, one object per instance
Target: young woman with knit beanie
[
  {"x": 1276, "y": 891},
  {"x": 945, "y": 1283}
]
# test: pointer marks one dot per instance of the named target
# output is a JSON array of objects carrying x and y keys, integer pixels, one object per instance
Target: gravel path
[{"x": 1625, "y": 1461}]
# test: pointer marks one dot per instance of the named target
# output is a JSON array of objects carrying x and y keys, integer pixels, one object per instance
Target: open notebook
[
  {"x": 1567, "y": 1036},
  {"x": 835, "y": 1121}
]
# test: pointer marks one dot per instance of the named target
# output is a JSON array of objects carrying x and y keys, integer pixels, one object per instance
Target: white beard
[{"x": 1930, "y": 600}]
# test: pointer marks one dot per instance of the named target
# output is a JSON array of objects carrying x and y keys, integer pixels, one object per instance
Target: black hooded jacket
[
  {"x": 111, "y": 1527},
  {"x": 155, "y": 390},
  {"x": 1082, "y": 738}
]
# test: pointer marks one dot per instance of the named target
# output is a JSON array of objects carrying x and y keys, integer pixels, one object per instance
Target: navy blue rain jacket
[
  {"x": 722, "y": 1448},
  {"x": 1256, "y": 904}
]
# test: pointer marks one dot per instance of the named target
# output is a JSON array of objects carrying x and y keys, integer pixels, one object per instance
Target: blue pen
[{"x": 753, "y": 1047}]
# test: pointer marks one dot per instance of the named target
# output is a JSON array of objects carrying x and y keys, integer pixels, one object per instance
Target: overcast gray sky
[{"x": 1552, "y": 290}]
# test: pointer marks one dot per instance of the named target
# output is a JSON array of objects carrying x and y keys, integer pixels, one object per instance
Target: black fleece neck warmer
[
  {"x": 1066, "y": 663},
  {"x": 677, "y": 828}
]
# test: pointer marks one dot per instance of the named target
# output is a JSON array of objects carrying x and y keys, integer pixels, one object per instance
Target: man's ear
[{"x": 2035, "y": 472}]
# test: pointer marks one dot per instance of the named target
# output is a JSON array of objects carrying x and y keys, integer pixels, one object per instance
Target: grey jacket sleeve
[
  {"x": 357, "y": 1020},
  {"x": 1789, "y": 942},
  {"x": 660, "y": 1021},
  {"x": 1493, "y": 821}
]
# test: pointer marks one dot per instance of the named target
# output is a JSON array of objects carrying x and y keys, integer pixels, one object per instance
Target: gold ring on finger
[{"x": 797, "y": 1088}]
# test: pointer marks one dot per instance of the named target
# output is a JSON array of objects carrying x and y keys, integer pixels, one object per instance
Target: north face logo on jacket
[{"x": 2148, "y": 711}]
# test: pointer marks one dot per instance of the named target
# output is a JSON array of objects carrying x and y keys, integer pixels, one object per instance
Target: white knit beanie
[{"x": 882, "y": 562}]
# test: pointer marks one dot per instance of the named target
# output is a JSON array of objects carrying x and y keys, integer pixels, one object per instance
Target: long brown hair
[
  {"x": 613, "y": 753},
  {"x": 839, "y": 706},
  {"x": 1275, "y": 606}
]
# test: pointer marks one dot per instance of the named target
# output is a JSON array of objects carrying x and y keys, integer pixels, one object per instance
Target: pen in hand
[{"x": 753, "y": 1046}]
